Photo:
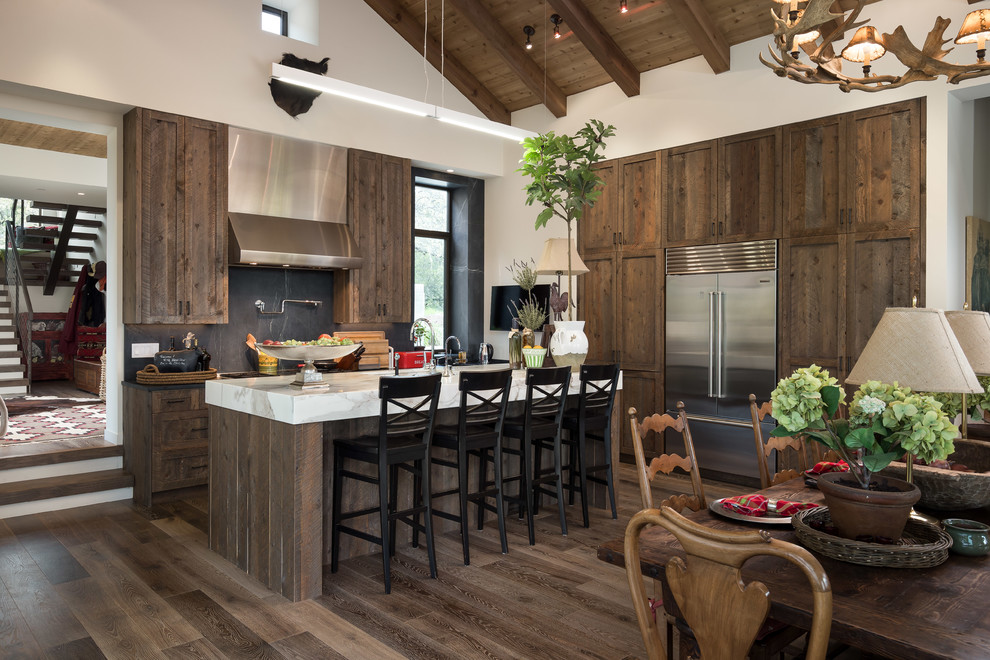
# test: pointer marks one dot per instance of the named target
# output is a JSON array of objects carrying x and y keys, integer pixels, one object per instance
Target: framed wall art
[{"x": 977, "y": 264}]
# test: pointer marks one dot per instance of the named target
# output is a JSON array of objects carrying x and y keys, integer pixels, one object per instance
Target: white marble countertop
[{"x": 350, "y": 395}]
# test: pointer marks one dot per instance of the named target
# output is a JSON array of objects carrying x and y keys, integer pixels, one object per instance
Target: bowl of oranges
[{"x": 534, "y": 356}]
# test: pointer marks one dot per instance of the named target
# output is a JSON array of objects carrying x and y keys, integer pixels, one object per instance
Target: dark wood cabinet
[
  {"x": 639, "y": 310},
  {"x": 597, "y": 296},
  {"x": 749, "y": 187},
  {"x": 175, "y": 219},
  {"x": 814, "y": 178},
  {"x": 637, "y": 189},
  {"x": 166, "y": 437},
  {"x": 688, "y": 194},
  {"x": 598, "y": 230},
  {"x": 885, "y": 162},
  {"x": 857, "y": 172},
  {"x": 379, "y": 213}
]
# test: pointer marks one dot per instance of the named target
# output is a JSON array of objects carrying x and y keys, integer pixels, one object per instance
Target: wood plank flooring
[{"x": 121, "y": 581}]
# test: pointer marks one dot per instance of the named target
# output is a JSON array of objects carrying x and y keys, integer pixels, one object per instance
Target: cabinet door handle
[
  {"x": 613, "y": 238},
  {"x": 842, "y": 217},
  {"x": 187, "y": 308},
  {"x": 202, "y": 428},
  {"x": 178, "y": 311},
  {"x": 721, "y": 228},
  {"x": 620, "y": 238},
  {"x": 385, "y": 309},
  {"x": 174, "y": 400},
  {"x": 849, "y": 214},
  {"x": 713, "y": 227}
]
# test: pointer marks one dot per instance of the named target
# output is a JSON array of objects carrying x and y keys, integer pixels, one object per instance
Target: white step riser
[
  {"x": 58, "y": 503},
  {"x": 11, "y": 391},
  {"x": 10, "y": 361},
  {"x": 62, "y": 469}
]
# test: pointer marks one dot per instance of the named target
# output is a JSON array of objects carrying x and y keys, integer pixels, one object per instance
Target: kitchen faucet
[
  {"x": 427, "y": 364},
  {"x": 446, "y": 362}
]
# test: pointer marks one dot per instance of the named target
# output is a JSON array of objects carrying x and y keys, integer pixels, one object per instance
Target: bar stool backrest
[
  {"x": 546, "y": 394},
  {"x": 409, "y": 406},
  {"x": 484, "y": 399},
  {"x": 598, "y": 383}
]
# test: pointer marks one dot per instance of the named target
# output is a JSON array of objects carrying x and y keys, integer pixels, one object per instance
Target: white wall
[{"x": 685, "y": 102}]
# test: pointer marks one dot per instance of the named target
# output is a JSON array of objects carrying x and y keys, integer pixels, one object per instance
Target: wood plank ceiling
[{"x": 485, "y": 58}]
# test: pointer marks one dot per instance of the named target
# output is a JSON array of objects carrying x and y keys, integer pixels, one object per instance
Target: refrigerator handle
[
  {"x": 719, "y": 331},
  {"x": 711, "y": 343}
]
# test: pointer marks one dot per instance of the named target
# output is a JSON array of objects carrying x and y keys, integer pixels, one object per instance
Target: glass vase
[{"x": 515, "y": 349}]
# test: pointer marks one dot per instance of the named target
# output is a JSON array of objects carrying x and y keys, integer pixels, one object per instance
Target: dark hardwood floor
[{"x": 121, "y": 581}]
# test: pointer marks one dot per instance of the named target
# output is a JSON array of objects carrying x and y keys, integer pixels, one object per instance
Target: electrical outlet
[{"x": 144, "y": 350}]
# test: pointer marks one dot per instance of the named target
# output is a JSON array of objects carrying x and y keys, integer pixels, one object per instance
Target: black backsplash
[{"x": 225, "y": 342}]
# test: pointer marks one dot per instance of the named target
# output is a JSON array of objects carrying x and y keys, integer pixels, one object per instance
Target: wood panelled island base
[{"x": 271, "y": 466}]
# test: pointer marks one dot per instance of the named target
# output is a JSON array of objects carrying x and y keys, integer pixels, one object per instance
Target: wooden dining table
[{"x": 901, "y": 613}]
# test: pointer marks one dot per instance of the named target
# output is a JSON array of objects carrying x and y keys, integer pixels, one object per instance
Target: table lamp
[
  {"x": 972, "y": 329},
  {"x": 558, "y": 260},
  {"x": 916, "y": 347}
]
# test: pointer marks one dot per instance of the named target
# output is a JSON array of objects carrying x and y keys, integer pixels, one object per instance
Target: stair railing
[{"x": 20, "y": 299}]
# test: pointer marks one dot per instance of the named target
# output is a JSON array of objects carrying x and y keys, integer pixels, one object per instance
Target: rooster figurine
[{"x": 558, "y": 302}]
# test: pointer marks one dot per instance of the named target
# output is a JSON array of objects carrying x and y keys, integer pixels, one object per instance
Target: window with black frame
[
  {"x": 431, "y": 258},
  {"x": 274, "y": 20}
]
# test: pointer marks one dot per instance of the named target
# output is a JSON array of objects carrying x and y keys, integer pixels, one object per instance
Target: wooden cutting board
[{"x": 375, "y": 345}]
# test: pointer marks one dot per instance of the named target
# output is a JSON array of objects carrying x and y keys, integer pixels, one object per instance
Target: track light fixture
[
  {"x": 530, "y": 31},
  {"x": 623, "y": 7},
  {"x": 556, "y": 20}
]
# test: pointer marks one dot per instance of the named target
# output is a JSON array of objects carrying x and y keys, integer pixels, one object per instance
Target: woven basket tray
[
  {"x": 151, "y": 376},
  {"x": 923, "y": 545},
  {"x": 949, "y": 490}
]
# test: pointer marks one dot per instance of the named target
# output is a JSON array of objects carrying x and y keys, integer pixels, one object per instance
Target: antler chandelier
[{"x": 812, "y": 27}]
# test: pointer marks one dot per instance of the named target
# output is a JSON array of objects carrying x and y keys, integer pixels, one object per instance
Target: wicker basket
[
  {"x": 151, "y": 376},
  {"x": 922, "y": 545},
  {"x": 949, "y": 490}
]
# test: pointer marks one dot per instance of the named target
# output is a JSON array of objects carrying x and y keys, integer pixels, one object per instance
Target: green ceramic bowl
[{"x": 969, "y": 537}]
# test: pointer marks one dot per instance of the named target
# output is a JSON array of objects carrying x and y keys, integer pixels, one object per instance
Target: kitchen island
[{"x": 270, "y": 467}]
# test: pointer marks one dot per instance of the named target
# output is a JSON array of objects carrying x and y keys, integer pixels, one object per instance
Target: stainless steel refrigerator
[{"x": 721, "y": 345}]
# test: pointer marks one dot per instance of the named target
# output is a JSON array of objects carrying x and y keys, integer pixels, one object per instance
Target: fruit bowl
[{"x": 308, "y": 377}]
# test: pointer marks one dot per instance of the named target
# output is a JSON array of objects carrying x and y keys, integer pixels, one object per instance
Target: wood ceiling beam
[
  {"x": 463, "y": 80},
  {"x": 600, "y": 44},
  {"x": 529, "y": 72},
  {"x": 698, "y": 23}
]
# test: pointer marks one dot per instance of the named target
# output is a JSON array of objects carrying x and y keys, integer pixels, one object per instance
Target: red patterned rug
[{"x": 58, "y": 424}]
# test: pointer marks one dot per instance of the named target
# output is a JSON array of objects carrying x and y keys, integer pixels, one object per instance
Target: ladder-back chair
[{"x": 666, "y": 463}]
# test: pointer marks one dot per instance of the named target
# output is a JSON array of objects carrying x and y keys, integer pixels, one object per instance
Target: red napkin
[
  {"x": 826, "y": 466},
  {"x": 756, "y": 505}
]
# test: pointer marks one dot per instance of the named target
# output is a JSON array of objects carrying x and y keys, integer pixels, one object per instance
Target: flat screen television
[{"x": 501, "y": 311}]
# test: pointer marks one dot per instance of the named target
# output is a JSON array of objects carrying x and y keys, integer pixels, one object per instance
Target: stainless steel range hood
[{"x": 287, "y": 203}]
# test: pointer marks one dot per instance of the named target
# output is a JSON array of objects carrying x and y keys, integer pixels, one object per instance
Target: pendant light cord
[{"x": 426, "y": 72}]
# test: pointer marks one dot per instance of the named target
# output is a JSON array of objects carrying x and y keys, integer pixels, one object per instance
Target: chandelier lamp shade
[
  {"x": 395, "y": 102},
  {"x": 972, "y": 330},
  {"x": 812, "y": 27}
]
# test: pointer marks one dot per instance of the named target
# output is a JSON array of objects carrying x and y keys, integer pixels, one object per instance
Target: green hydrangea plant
[{"x": 885, "y": 421}]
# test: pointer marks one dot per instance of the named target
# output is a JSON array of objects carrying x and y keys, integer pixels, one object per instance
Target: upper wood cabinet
[
  {"x": 688, "y": 195},
  {"x": 638, "y": 186},
  {"x": 885, "y": 163},
  {"x": 814, "y": 178},
  {"x": 379, "y": 213},
  {"x": 598, "y": 227},
  {"x": 749, "y": 186},
  {"x": 175, "y": 219},
  {"x": 722, "y": 190},
  {"x": 858, "y": 172}
]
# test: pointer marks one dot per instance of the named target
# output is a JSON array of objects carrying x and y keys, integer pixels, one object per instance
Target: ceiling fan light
[{"x": 865, "y": 46}]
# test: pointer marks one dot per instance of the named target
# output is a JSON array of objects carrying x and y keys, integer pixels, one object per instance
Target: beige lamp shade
[
  {"x": 916, "y": 348},
  {"x": 975, "y": 28},
  {"x": 554, "y": 259},
  {"x": 865, "y": 46},
  {"x": 972, "y": 330}
]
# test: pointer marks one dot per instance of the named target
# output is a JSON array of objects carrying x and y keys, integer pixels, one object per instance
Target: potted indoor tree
[
  {"x": 884, "y": 422},
  {"x": 564, "y": 183}
]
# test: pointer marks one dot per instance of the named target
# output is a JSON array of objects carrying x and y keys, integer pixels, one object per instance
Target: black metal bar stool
[
  {"x": 405, "y": 431},
  {"x": 546, "y": 396},
  {"x": 484, "y": 397},
  {"x": 591, "y": 420}
]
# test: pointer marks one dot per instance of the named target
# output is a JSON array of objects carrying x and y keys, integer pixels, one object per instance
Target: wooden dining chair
[
  {"x": 666, "y": 463},
  {"x": 723, "y": 614},
  {"x": 793, "y": 443}
]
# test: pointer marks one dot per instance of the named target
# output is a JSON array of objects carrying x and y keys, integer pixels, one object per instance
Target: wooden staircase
[
  {"x": 49, "y": 243},
  {"x": 12, "y": 371},
  {"x": 85, "y": 473}
]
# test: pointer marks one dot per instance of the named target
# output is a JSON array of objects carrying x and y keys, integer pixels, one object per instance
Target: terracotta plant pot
[{"x": 859, "y": 512}]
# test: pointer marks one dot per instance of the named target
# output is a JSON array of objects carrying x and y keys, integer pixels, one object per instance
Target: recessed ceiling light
[
  {"x": 80, "y": 194},
  {"x": 450, "y": 171}
]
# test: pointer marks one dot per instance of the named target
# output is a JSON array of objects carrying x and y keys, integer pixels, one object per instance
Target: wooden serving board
[{"x": 375, "y": 345}]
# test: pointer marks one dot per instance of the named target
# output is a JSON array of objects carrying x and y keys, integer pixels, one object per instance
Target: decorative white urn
[{"x": 569, "y": 344}]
